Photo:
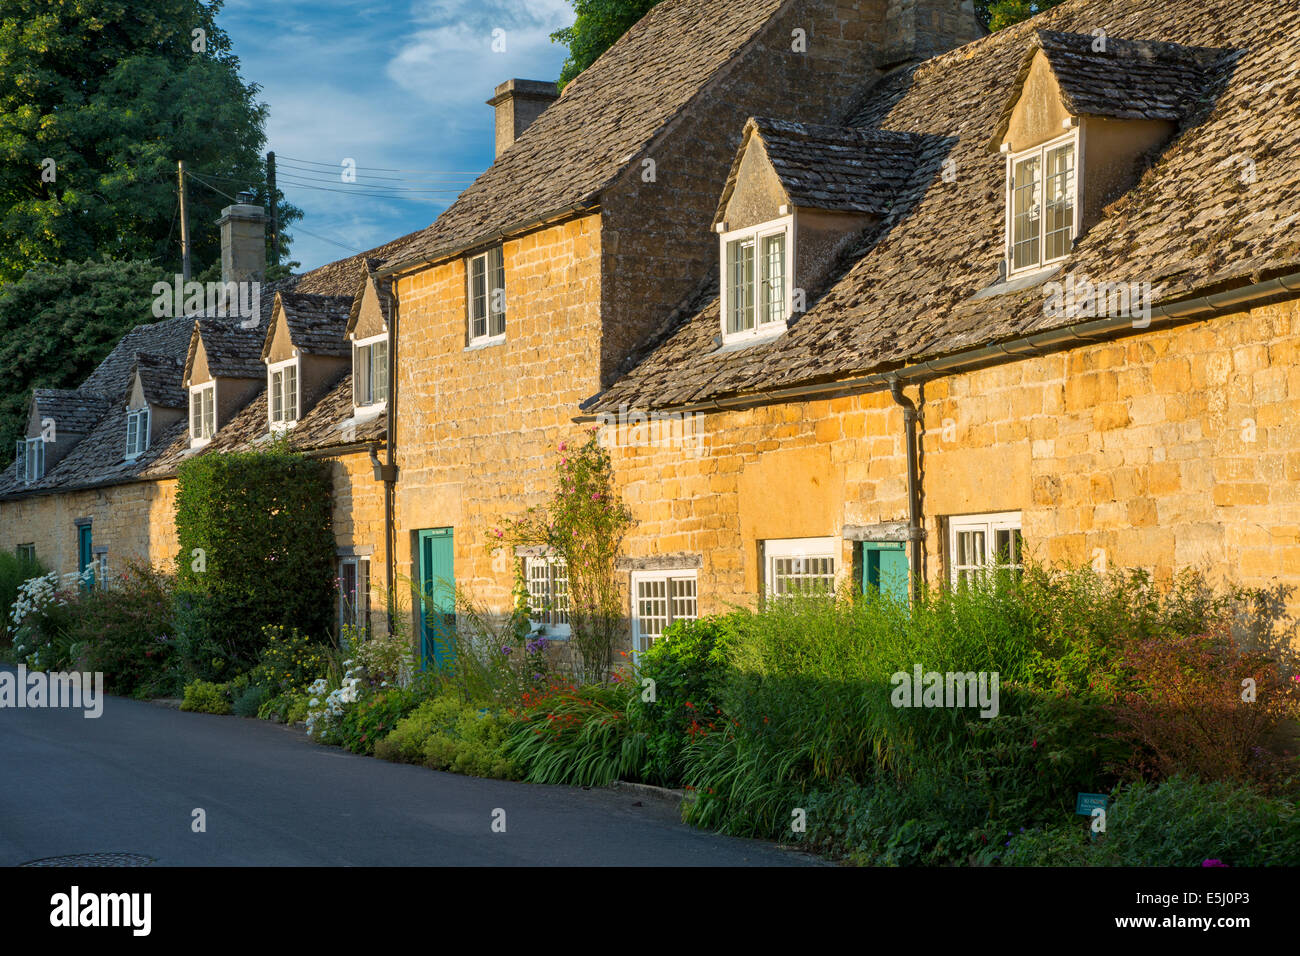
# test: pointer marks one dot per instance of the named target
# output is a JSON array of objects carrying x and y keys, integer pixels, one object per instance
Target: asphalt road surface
[{"x": 129, "y": 782}]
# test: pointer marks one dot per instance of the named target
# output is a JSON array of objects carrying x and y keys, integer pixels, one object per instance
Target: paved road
[{"x": 129, "y": 781}]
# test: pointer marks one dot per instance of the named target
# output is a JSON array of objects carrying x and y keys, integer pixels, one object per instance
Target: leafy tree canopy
[
  {"x": 58, "y": 322},
  {"x": 997, "y": 14},
  {"x": 598, "y": 26},
  {"x": 99, "y": 99}
]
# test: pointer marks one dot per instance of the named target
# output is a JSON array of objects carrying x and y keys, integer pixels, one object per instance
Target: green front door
[
  {"x": 437, "y": 596},
  {"x": 84, "y": 557},
  {"x": 884, "y": 568}
]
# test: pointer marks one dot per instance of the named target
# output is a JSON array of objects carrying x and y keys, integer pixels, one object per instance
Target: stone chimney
[
  {"x": 919, "y": 29},
  {"x": 518, "y": 103},
  {"x": 243, "y": 241}
]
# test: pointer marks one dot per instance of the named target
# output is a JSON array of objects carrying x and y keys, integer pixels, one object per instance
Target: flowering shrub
[
  {"x": 446, "y": 734},
  {"x": 373, "y": 716},
  {"x": 577, "y": 736},
  {"x": 584, "y": 523},
  {"x": 205, "y": 697},
  {"x": 289, "y": 661},
  {"x": 127, "y": 632},
  {"x": 326, "y": 707},
  {"x": 42, "y": 616}
]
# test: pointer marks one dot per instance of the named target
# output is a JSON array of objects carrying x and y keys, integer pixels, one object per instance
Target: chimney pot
[
  {"x": 518, "y": 103},
  {"x": 243, "y": 241}
]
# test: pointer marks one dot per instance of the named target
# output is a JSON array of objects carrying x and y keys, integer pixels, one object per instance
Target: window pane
[
  {"x": 277, "y": 396},
  {"x": 1059, "y": 212},
  {"x": 1006, "y": 542},
  {"x": 478, "y": 297},
  {"x": 1025, "y": 223},
  {"x": 683, "y": 598},
  {"x": 560, "y": 592},
  {"x": 773, "y": 291},
  {"x": 970, "y": 549},
  {"x": 347, "y": 592},
  {"x": 131, "y": 427},
  {"x": 651, "y": 611},
  {"x": 143, "y": 437},
  {"x": 802, "y": 574},
  {"x": 497, "y": 292},
  {"x": 291, "y": 393},
  {"x": 209, "y": 412},
  {"x": 361, "y": 375},
  {"x": 196, "y": 415},
  {"x": 379, "y": 372},
  {"x": 740, "y": 285}
]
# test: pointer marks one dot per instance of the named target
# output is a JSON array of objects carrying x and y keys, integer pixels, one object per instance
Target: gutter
[
  {"x": 508, "y": 231},
  {"x": 915, "y": 533},
  {"x": 387, "y": 473},
  {"x": 334, "y": 451},
  {"x": 1024, "y": 347}
]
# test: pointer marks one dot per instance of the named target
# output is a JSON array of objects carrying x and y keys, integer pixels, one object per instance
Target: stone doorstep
[{"x": 651, "y": 792}]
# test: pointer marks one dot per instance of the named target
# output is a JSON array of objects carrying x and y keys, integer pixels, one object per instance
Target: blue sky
[{"x": 394, "y": 86}]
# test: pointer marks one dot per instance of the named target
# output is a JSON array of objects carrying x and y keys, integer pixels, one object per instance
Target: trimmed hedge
[{"x": 256, "y": 549}]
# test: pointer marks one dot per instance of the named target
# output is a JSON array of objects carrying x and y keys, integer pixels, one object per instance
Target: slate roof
[
  {"x": 316, "y": 324},
  {"x": 904, "y": 294},
  {"x": 231, "y": 350},
  {"x": 602, "y": 121},
  {"x": 383, "y": 292},
  {"x": 72, "y": 410},
  {"x": 160, "y": 379},
  {"x": 99, "y": 458},
  {"x": 839, "y": 168}
]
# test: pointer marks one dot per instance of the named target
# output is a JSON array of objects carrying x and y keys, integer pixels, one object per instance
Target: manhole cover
[{"x": 93, "y": 859}]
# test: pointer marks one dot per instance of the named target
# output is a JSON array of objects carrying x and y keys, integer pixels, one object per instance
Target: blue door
[
  {"x": 884, "y": 568},
  {"x": 437, "y": 596},
  {"x": 85, "y": 559}
]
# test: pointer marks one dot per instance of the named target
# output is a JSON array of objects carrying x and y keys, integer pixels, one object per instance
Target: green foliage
[
  {"x": 261, "y": 522},
  {"x": 688, "y": 665},
  {"x": 997, "y": 14},
  {"x": 13, "y": 572},
  {"x": 205, "y": 697},
  {"x": 289, "y": 661},
  {"x": 598, "y": 26},
  {"x": 576, "y": 736},
  {"x": 127, "y": 632},
  {"x": 249, "y": 701},
  {"x": 373, "y": 717},
  {"x": 115, "y": 94},
  {"x": 445, "y": 733}
]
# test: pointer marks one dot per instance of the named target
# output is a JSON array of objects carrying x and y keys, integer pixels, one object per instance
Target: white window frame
[
  {"x": 488, "y": 337},
  {"x": 989, "y": 525},
  {"x": 31, "y": 459},
  {"x": 99, "y": 559},
  {"x": 369, "y": 402},
  {"x": 673, "y": 603},
  {"x": 208, "y": 423},
  {"x": 357, "y": 613},
  {"x": 762, "y": 329},
  {"x": 550, "y": 621},
  {"x": 139, "y": 417},
  {"x": 1073, "y": 137},
  {"x": 282, "y": 369},
  {"x": 26, "y": 552},
  {"x": 801, "y": 549}
]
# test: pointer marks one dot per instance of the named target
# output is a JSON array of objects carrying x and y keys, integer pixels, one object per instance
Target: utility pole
[
  {"x": 275, "y": 215},
  {"x": 185, "y": 222}
]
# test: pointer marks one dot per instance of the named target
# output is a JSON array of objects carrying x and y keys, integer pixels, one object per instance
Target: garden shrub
[
  {"x": 256, "y": 549},
  {"x": 205, "y": 697},
  {"x": 289, "y": 661},
  {"x": 127, "y": 632},
  {"x": 248, "y": 702},
  {"x": 42, "y": 619},
  {"x": 688, "y": 665},
  {"x": 474, "y": 745},
  {"x": 578, "y": 736},
  {"x": 373, "y": 717},
  {"x": 13, "y": 572}
]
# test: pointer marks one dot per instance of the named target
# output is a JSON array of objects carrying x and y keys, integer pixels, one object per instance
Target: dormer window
[
  {"x": 203, "y": 413},
  {"x": 370, "y": 371},
  {"x": 137, "y": 431},
  {"x": 31, "y": 459},
  {"x": 282, "y": 394},
  {"x": 756, "y": 266},
  {"x": 1042, "y": 204},
  {"x": 486, "y": 276}
]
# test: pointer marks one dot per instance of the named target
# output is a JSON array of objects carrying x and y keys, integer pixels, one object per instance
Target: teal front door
[
  {"x": 437, "y": 596},
  {"x": 84, "y": 557},
  {"x": 884, "y": 568}
]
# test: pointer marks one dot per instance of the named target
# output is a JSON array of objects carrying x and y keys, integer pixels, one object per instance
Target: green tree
[
  {"x": 60, "y": 321},
  {"x": 598, "y": 26},
  {"x": 99, "y": 99},
  {"x": 997, "y": 14}
]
